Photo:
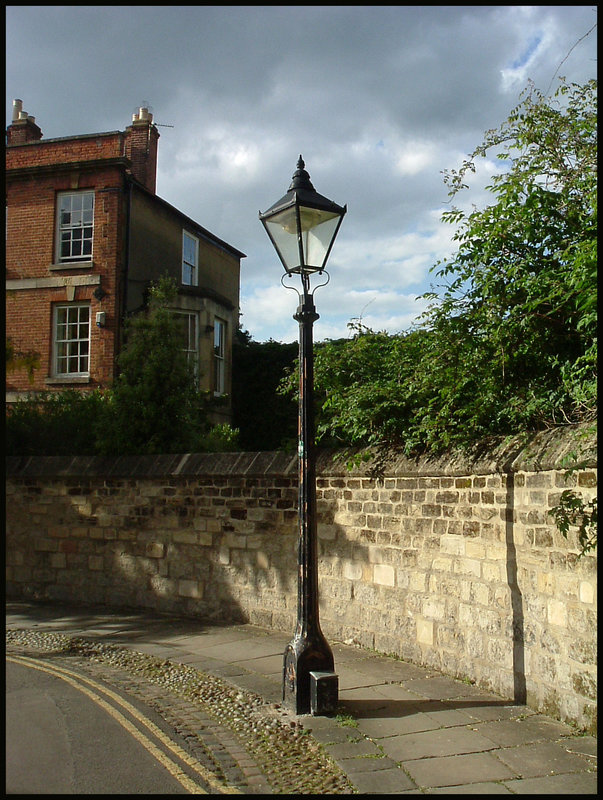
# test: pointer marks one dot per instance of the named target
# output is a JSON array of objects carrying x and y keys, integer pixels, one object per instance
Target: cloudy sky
[{"x": 378, "y": 100}]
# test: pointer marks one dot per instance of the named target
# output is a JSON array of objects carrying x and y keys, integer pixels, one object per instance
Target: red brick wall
[
  {"x": 141, "y": 148},
  {"x": 30, "y": 252},
  {"x": 59, "y": 151}
]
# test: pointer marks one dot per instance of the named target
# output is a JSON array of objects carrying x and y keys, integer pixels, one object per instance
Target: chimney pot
[{"x": 23, "y": 128}]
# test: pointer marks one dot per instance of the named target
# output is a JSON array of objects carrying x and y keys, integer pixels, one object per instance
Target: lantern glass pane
[
  {"x": 318, "y": 237},
  {"x": 282, "y": 228},
  {"x": 318, "y": 227}
]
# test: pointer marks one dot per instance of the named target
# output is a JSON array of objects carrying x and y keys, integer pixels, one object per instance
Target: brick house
[{"x": 85, "y": 235}]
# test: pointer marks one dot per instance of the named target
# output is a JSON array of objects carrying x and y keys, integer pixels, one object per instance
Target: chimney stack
[
  {"x": 141, "y": 148},
  {"x": 23, "y": 128}
]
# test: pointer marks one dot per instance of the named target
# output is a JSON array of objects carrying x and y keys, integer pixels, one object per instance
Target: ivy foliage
[
  {"x": 508, "y": 343},
  {"x": 18, "y": 359},
  {"x": 573, "y": 511}
]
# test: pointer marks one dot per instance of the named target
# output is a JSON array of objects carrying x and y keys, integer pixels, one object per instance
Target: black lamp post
[{"x": 302, "y": 226}]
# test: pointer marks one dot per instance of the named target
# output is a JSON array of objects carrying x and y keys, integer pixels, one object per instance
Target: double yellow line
[{"x": 78, "y": 681}]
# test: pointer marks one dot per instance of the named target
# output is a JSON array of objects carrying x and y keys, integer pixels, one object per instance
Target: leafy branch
[{"x": 573, "y": 511}]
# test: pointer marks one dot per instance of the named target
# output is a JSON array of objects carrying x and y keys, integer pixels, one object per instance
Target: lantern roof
[{"x": 301, "y": 192}]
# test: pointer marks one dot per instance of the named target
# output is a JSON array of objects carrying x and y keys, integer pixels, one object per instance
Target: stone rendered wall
[{"x": 451, "y": 564}]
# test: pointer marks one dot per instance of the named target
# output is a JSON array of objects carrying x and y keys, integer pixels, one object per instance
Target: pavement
[{"x": 400, "y": 728}]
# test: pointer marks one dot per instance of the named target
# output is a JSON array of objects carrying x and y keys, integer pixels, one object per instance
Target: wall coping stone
[{"x": 557, "y": 448}]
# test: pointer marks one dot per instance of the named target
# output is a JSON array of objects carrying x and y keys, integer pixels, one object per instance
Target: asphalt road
[{"x": 69, "y": 734}]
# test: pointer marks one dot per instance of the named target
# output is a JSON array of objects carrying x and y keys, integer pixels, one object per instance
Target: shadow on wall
[
  {"x": 519, "y": 674},
  {"x": 76, "y": 541}
]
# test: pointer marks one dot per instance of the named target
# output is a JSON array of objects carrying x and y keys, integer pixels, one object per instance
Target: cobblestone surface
[{"x": 256, "y": 747}]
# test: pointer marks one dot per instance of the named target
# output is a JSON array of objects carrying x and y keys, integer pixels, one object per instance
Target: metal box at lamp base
[{"x": 324, "y": 692}]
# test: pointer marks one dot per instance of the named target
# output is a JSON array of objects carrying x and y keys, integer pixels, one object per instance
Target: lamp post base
[{"x": 310, "y": 685}]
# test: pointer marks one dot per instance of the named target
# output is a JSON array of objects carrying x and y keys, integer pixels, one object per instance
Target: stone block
[
  {"x": 587, "y": 592},
  {"x": 587, "y": 479},
  {"x": 557, "y": 612},
  {"x": 468, "y": 566},
  {"x": 480, "y": 593},
  {"x": 58, "y": 560},
  {"x": 384, "y": 574},
  {"x": 493, "y": 573},
  {"x": 185, "y": 537},
  {"x": 46, "y": 545},
  {"x": 474, "y": 549},
  {"x": 188, "y": 588},
  {"x": 433, "y": 609},
  {"x": 326, "y": 531},
  {"x": 164, "y": 586},
  {"x": 538, "y": 480},
  {"x": 452, "y": 544},
  {"x": 417, "y": 581},
  {"x": 425, "y": 631},
  {"x": 352, "y": 570},
  {"x": 155, "y": 550}
]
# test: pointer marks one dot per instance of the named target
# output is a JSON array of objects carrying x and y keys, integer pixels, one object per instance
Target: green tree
[
  {"x": 509, "y": 342},
  {"x": 522, "y": 283},
  {"x": 266, "y": 419},
  {"x": 155, "y": 405},
  {"x": 54, "y": 424}
]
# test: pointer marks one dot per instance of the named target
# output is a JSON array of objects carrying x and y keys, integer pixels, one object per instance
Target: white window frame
[
  {"x": 190, "y": 269},
  {"x": 219, "y": 356},
  {"x": 71, "y": 340},
  {"x": 70, "y": 222},
  {"x": 192, "y": 335}
]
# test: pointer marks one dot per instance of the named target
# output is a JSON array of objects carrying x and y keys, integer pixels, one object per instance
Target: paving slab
[
  {"x": 511, "y": 732},
  {"x": 384, "y": 727},
  {"x": 544, "y": 758},
  {"x": 457, "y": 770},
  {"x": 439, "y": 687},
  {"x": 580, "y": 783},
  {"x": 269, "y": 689},
  {"x": 379, "y": 669},
  {"x": 353, "y": 750},
  {"x": 435, "y": 743},
  {"x": 241, "y": 649},
  {"x": 471, "y": 788},
  {"x": 446, "y": 715},
  {"x": 387, "y": 781},
  {"x": 395, "y": 692},
  {"x": 493, "y": 709},
  {"x": 368, "y": 763},
  {"x": 586, "y": 745}
]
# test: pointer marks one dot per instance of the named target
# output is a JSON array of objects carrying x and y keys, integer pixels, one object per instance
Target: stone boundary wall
[{"x": 452, "y": 564}]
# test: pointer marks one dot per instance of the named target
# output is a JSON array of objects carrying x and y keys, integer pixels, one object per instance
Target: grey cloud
[{"x": 248, "y": 88}]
